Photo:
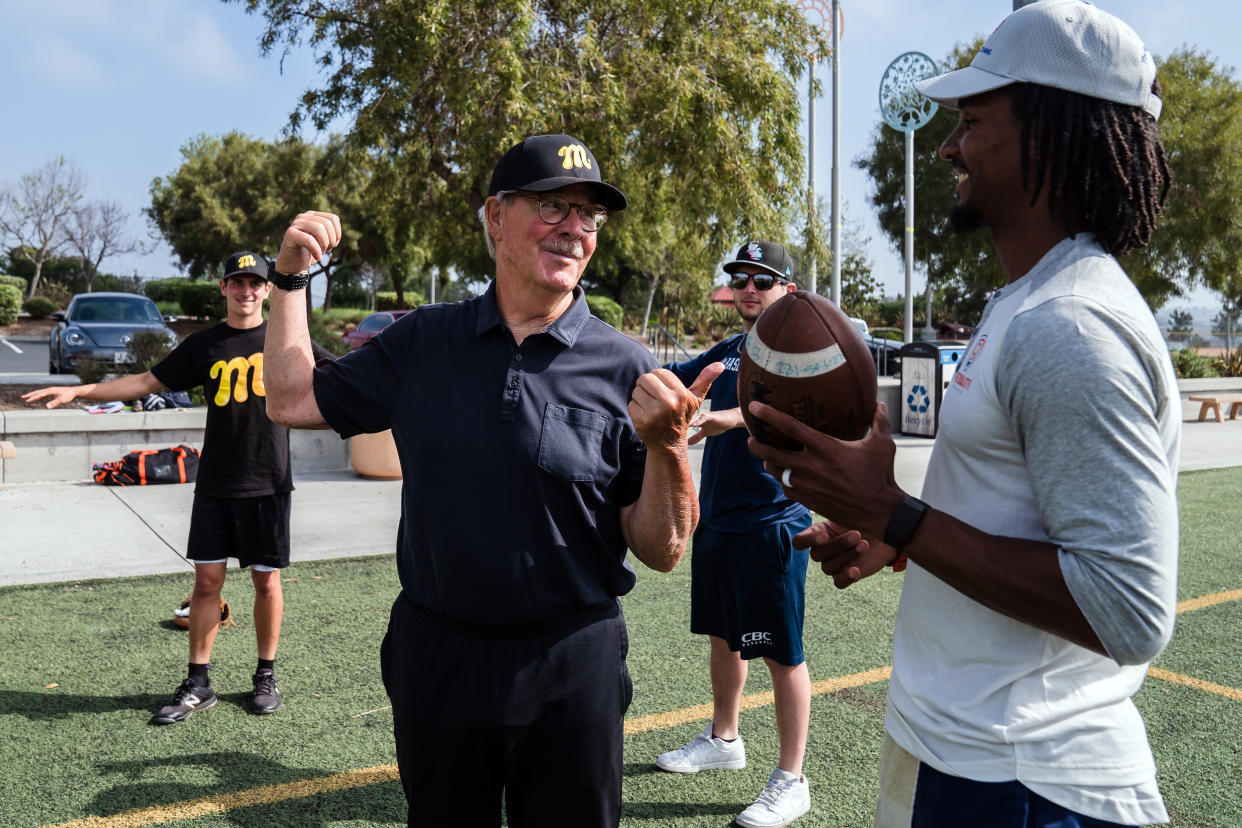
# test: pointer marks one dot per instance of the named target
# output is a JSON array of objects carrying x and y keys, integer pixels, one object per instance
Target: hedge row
[
  {"x": 200, "y": 299},
  {"x": 10, "y": 303}
]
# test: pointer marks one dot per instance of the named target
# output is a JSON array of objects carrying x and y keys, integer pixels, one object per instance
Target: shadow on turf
[
  {"x": 51, "y": 704},
  {"x": 671, "y": 810},
  {"x": 225, "y": 773}
]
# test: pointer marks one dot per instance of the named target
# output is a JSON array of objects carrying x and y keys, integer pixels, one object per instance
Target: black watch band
[
  {"x": 906, "y": 518},
  {"x": 286, "y": 282}
]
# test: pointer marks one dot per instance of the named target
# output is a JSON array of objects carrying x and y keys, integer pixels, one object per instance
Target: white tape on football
[{"x": 810, "y": 364}]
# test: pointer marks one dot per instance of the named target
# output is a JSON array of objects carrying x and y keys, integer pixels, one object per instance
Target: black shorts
[
  {"x": 750, "y": 590},
  {"x": 255, "y": 530}
]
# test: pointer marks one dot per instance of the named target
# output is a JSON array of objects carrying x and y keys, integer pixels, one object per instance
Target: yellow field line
[
  {"x": 1208, "y": 600},
  {"x": 268, "y": 794},
  {"x": 265, "y": 795},
  {"x": 1196, "y": 684},
  {"x": 660, "y": 721}
]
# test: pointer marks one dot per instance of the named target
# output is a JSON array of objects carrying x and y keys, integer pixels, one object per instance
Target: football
[{"x": 804, "y": 357}]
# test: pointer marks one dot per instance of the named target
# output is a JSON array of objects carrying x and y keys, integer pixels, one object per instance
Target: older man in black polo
[{"x": 537, "y": 444}]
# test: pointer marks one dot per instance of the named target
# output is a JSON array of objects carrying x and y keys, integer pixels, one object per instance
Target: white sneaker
[
  {"x": 706, "y": 752},
  {"x": 785, "y": 798}
]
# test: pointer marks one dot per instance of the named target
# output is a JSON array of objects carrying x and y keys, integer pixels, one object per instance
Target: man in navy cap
[
  {"x": 747, "y": 589},
  {"x": 537, "y": 445}
]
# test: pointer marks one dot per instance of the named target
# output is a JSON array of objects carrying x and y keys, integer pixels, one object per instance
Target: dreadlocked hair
[{"x": 1102, "y": 162}]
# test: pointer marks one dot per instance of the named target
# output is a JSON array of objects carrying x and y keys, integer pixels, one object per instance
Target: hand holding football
[{"x": 805, "y": 357}]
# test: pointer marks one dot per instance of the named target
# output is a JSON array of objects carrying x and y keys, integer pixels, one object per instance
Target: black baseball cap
[
  {"x": 548, "y": 162},
  {"x": 765, "y": 255},
  {"x": 243, "y": 261}
]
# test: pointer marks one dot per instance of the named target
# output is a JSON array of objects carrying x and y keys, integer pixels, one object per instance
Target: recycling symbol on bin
[{"x": 915, "y": 393}]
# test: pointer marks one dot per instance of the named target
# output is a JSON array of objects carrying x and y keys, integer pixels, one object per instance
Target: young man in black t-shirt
[{"x": 242, "y": 497}]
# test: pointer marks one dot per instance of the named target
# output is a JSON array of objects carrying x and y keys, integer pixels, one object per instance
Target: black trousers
[{"x": 536, "y": 720}]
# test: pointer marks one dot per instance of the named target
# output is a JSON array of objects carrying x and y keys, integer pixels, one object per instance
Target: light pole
[
  {"x": 905, "y": 110},
  {"x": 821, "y": 16}
]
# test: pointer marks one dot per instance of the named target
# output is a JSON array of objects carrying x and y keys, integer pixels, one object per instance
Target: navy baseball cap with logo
[
  {"x": 548, "y": 162},
  {"x": 765, "y": 255},
  {"x": 243, "y": 261}
]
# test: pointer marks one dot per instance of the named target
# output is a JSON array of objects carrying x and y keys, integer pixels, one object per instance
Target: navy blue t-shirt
[
  {"x": 735, "y": 493},
  {"x": 516, "y": 460}
]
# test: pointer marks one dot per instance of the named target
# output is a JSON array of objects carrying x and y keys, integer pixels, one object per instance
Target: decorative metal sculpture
[{"x": 903, "y": 108}]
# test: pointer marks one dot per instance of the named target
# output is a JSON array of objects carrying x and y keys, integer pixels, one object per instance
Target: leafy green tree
[
  {"x": 963, "y": 269},
  {"x": 1181, "y": 321},
  {"x": 233, "y": 193},
  {"x": 34, "y": 213},
  {"x": 691, "y": 107},
  {"x": 55, "y": 271},
  {"x": 1198, "y": 238}
]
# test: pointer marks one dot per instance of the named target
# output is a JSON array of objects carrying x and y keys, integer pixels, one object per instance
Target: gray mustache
[{"x": 566, "y": 247}]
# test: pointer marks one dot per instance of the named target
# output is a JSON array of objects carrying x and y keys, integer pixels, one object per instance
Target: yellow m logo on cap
[
  {"x": 246, "y": 261},
  {"x": 574, "y": 155}
]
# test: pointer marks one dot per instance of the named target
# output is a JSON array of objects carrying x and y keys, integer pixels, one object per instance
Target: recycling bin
[{"x": 927, "y": 368}]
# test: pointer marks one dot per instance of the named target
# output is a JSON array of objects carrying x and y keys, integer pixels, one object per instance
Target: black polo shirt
[{"x": 516, "y": 460}]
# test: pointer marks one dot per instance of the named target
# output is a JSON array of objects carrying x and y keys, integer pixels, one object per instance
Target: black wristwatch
[
  {"x": 286, "y": 282},
  {"x": 906, "y": 518}
]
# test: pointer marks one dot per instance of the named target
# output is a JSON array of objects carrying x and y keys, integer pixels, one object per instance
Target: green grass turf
[{"x": 86, "y": 746}]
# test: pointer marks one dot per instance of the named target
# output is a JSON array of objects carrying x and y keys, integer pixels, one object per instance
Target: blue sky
[{"x": 118, "y": 86}]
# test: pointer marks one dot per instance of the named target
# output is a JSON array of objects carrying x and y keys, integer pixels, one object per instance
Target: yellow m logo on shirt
[
  {"x": 574, "y": 155},
  {"x": 233, "y": 376}
]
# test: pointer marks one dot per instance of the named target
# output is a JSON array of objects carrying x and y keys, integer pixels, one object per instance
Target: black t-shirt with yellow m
[{"x": 244, "y": 453}]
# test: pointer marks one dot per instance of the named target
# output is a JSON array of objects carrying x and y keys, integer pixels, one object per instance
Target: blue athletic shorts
[
  {"x": 750, "y": 590},
  {"x": 255, "y": 530}
]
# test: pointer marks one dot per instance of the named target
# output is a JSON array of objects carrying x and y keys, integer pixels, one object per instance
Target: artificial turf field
[{"x": 84, "y": 665}]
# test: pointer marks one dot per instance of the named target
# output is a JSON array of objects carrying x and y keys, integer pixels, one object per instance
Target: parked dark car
[
  {"x": 100, "y": 326},
  {"x": 885, "y": 352},
  {"x": 370, "y": 326}
]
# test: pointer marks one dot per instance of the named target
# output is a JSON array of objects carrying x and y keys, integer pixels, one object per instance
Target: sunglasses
[
  {"x": 763, "y": 281},
  {"x": 554, "y": 209}
]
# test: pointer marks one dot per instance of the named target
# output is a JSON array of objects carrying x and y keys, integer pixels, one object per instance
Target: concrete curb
[{"x": 64, "y": 445}]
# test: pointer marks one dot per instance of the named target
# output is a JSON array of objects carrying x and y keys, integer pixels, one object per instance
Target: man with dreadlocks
[{"x": 1042, "y": 557}]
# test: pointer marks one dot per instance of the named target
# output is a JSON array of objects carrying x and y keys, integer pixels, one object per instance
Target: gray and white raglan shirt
[{"x": 1062, "y": 424}]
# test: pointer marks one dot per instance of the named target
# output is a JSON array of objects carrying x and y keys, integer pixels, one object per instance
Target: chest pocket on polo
[{"x": 569, "y": 446}]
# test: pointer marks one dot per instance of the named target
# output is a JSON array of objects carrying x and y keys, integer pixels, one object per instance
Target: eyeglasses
[
  {"x": 763, "y": 281},
  {"x": 554, "y": 209}
]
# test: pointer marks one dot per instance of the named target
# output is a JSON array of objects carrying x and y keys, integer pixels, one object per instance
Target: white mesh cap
[{"x": 1065, "y": 44}]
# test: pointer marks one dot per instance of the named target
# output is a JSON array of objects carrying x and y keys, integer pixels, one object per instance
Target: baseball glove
[{"x": 181, "y": 615}]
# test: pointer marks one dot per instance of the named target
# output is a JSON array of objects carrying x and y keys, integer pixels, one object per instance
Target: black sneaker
[
  {"x": 188, "y": 700},
  {"x": 266, "y": 696}
]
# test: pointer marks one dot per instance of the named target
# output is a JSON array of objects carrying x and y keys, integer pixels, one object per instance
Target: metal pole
[
  {"x": 810, "y": 168},
  {"x": 836, "y": 154},
  {"x": 928, "y": 333},
  {"x": 909, "y": 326}
]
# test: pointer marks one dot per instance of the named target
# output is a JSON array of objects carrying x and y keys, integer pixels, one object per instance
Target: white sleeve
[{"x": 1090, "y": 404}]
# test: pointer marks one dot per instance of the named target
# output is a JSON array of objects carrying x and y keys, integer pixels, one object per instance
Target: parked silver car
[{"x": 100, "y": 326}]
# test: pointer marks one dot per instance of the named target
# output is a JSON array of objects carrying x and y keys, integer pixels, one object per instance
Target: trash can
[
  {"x": 927, "y": 368},
  {"x": 375, "y": 456}
]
